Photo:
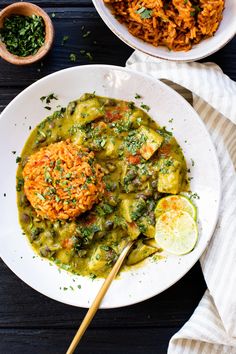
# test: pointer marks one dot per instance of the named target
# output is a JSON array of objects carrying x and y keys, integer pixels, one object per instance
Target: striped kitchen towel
[{"x": 212, "y": 327}]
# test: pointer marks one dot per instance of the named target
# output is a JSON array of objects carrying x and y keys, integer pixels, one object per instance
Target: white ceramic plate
[
  {"x": 27, "y": 110},
  {"x": 223, "y": 35}
]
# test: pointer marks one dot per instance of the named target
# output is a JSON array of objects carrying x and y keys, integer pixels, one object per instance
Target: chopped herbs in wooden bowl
[
  {"x": 23, "y": 35},
  {"x": 26, "y": 33}
]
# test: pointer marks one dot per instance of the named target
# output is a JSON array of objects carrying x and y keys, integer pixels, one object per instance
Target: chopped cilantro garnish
[
  {"x": 164, "y": 132},
  {"x": 197, "y": 9},
  {"x": 92, "y": 276},
  {"x": 138, "y": 211},
  {"x": 86, "y": 34},
  {"x": 51, "y": 97},
  {"x": 132, "y": 143},
  {"x": 40, "y": 196},
  {"x": 146, "y": 107},
  {"x": 103, "y": 209},
  {"x": 64, "y": 39},
  {"x": 105, "y": 248},
  {"x": 47, "y": 176},
  {"x": 131, "y": 105},
  {"x": 89, "y": 56},
  {"x": 165, "y": 166},
  {"x": 73, "y": 57},
  {"x": 144, "y": 13},
  {"x": 142, "y": 227},
  {"x": 57, "y": 198},
  {"x": 194, "y": 196},
  {"x": 119, "y": 221},
  {"x": 88, "y": 232}
]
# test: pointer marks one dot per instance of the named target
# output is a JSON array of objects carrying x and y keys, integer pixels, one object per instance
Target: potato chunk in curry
[
  {"x": 153, "y": 141},
  {"x": 170, "y": 177}
]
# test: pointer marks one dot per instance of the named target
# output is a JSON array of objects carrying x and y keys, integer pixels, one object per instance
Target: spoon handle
[{"x": 95, "y": 305}]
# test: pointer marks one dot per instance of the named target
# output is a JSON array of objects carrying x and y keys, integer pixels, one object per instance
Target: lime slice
[
  {"x": 176, "y": 232},
  {"x": 175, "y": 203}
]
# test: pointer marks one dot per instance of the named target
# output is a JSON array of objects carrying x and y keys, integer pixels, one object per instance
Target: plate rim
[{"x": 219, "y": 179}]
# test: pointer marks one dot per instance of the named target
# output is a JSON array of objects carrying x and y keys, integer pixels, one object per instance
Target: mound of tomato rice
[
  {"x": 62, "y": 180},
  {"x": 176, "y": 24}
]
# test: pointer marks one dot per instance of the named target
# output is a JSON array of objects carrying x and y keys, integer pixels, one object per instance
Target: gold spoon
[{"x": 95, "y": 305}]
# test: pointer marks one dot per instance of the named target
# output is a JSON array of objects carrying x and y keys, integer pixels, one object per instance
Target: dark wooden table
[{"x": 30, "y": 322}]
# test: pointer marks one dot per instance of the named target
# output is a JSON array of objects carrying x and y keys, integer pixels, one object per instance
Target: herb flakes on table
[
  {"x": 64, "y": 39},
  {"x": 73, "y": 57}
]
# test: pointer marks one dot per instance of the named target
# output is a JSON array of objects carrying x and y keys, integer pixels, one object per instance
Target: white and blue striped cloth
[{"x": 212, "y": 327}]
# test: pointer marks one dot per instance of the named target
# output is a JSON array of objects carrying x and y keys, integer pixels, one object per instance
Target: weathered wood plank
[
  {"x": 7, "y": 94},
  {"x": 20, "y": 306},
  {"x": 58, "y": 3},
  {"x": 102, "y": 341},
  {"x": 102, "y": 44}
]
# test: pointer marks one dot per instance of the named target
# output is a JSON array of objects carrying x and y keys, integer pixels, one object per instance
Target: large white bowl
[
  {"x": 27, "y": 110},
  {"x": 223, "y": 35}
]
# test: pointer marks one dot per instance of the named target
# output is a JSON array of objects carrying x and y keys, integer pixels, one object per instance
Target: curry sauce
[{"x": 141, "y": 163}]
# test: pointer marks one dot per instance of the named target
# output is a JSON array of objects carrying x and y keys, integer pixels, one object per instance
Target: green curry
[{"x": 141, "y": 161}]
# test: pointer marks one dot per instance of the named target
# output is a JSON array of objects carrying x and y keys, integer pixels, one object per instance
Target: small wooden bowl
[{"x": 27, "y": 9}]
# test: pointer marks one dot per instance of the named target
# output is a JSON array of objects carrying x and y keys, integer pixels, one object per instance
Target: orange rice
[
  {"x": 62, "y": 180},
  {"x": 176, "y": 24}
]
